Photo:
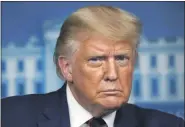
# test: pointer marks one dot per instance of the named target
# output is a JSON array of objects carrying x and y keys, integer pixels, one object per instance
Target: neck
[{"x": 100, "y": 112}]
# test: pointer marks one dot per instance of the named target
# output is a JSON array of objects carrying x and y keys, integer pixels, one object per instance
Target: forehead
[{"x": 102, "y": 44}]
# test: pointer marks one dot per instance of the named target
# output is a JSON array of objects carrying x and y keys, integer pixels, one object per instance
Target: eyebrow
[
  {"x": 103, "y": 54},
  {"x": 106, "y": 56}
]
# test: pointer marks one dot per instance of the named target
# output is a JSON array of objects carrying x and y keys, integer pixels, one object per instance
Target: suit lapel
[
  {"x": 56, "y": 113},
  {"x": 125, "y": 117}
]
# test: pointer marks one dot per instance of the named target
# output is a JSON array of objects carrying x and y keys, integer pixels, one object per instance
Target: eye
[
  {"x": 122, "y": 59},
  {"x": 96, "y": 59}
]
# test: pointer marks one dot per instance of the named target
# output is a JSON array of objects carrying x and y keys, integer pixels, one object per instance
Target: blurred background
[{"x": 30, "y": 29}]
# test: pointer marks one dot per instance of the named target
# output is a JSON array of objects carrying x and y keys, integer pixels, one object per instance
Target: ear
[{"x": 65, "y": 68}]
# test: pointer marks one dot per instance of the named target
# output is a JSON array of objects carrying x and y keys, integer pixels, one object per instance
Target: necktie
[{"x": 96, "y": 122}]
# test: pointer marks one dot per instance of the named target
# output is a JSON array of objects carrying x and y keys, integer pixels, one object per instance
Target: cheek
[
  {"x": 126, "y": 79},
  {"x": 93, "y": 75},
  {"x": 87, "y": 77}
]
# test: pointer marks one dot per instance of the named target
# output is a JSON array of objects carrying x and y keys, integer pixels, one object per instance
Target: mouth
[{"x": 111, "y": 92}]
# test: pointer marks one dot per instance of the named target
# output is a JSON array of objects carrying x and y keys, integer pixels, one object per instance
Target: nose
[{"x": 111, "y": 71}]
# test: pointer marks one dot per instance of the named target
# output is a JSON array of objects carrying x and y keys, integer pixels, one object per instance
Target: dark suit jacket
[{"x": 51, "y": 110}]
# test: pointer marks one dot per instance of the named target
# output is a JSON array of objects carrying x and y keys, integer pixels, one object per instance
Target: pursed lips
[{"x": 110, "y": 92}]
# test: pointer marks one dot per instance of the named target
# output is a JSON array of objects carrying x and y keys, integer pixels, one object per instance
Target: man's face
[{"x": 102, "y": 72}]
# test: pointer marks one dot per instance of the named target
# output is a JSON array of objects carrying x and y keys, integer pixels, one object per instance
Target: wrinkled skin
[{"x": 100, "y": 74}]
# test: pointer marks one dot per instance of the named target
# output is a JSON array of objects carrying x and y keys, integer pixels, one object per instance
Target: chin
[{"x": 111, "y": 103}]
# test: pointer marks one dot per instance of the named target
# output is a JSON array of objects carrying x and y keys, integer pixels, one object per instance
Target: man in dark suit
[{"x": 95, "y": 54}]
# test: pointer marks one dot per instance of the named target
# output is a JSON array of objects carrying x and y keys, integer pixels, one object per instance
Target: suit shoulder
[
  {"x": 27, "y": 100},
  {"x": 19, "y": 100},
  {"x": 27, "y": 103},
  {"x": 156, "y": 117},
  {"x": 24, "y": 110}
]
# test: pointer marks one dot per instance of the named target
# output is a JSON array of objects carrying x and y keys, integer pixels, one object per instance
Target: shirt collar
[
  {"x": 109, "y": 119},
  {"x": 78, "y": 115}
]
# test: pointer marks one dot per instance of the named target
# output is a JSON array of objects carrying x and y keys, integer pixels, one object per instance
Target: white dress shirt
[{"x": 78, "y": 115}]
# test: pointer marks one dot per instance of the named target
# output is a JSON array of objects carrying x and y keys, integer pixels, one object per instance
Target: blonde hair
[{"x": 111, "y": 22}]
